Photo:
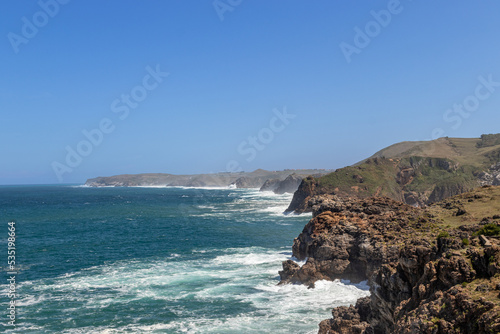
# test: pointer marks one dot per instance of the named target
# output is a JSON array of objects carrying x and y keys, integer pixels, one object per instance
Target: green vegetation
[
  {"x": 465, "y": 242},
  {"x": 490, "y": 229},
  {"x": 443, "y": 234},
  {"x": 479, "y": 203},
  {"x": 374, "y": 177},
  {"x": 489, "y": 140},
  {"x": 493, "y": 155},
  {"x": 440, "y": 174}
]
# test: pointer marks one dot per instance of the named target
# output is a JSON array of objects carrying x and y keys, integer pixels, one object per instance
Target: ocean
[{"x": 156, "y": 260}]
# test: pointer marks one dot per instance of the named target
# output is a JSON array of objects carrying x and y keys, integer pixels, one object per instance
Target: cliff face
[
  {"x": 349, "y": 238},
  {"x": 288, "y": 185},
  {"x": 417, "y": 181},
  {"x": 429, "y": 271},
  {"x": 301, "y": 197},
  {"x": 490, "y": 177}
]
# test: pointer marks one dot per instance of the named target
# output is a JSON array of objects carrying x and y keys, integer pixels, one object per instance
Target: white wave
[
  {"x": 246, "y": 259},
  {"x": 23, "y": 327},
  {"x": 150, "y": 186},
  {"x": 210, "y": 207},
  {"x": 275, "y": 210},
  {"x": 202, "y": 188},
  {"x": 267, "y": 194},
  {"x": 363, "y": 285},
  {"x": 30, "y": 300}
]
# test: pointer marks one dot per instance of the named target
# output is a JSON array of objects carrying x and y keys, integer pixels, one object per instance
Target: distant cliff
[
  {"x": 416, "y": 173},
  {"x": 288, "y": 185},
  {"x": 256, "y": 179},
  {"x": 433, "y": 270}
]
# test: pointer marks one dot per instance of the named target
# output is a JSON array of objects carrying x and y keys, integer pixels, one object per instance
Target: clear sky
[{"x": 84, "y": 90}]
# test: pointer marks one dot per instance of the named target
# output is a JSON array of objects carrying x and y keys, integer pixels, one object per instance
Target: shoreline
[{"x": 411, "y": 259}]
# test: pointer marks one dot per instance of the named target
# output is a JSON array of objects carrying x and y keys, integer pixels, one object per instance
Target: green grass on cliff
[
  {"x": 475, "y": 152},
  {"x": 374, "y": 177},
  {"x": 436, "y": 169},
  {"x": 430, "y": 172},
  {"x": 489, "y": 140},
  {"x": 483, "y": 202}
]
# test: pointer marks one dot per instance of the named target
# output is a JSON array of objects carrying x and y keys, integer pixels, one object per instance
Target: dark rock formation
[
  {"x": 243, "y": 182},
  {"x": 348, "y": 238},
  {"x": 270, "y": 185},
  {"x": 421, "y": 280},
  {"x": 348, "y": 320},
  {"x": 306, "y": 190},
  {"x": 289, "y": 185}
]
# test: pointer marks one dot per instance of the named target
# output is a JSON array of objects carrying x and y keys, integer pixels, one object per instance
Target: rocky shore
[{"x": 432, "y": 270}]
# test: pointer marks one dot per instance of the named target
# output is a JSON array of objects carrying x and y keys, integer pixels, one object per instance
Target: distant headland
[{"x": 286, "y": 181}]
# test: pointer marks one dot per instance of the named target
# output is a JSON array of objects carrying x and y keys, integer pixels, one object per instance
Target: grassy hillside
[
  {"x": 467, "y": 151},
  {"x": 468, "y": 208},
  {"x": 417, "y": 173},
  {"x": 373, "y": 178}
]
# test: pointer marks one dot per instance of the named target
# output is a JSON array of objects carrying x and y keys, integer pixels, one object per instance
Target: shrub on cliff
[
  {"x": 490, "y": 229},
  {"x": 443, "y": 234}
]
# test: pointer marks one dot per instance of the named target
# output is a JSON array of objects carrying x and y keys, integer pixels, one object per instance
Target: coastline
[{"x": 413, "y": 261}]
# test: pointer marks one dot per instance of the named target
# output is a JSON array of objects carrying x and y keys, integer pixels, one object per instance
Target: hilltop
[{"x": 417, "y": 173}]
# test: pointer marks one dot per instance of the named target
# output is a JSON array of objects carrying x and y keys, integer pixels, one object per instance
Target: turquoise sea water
[{"x": 157, "y": 260}]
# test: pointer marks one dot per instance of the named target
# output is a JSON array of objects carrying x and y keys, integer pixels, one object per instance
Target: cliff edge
[
  {"x": 416, "y": 173},
  {"x": 433, "y": 270}
]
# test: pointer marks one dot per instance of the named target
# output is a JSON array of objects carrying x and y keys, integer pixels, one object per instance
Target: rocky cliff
[
  {"x": 417, "y": 173},
  {"x": 288, "y": 185},
  {"x": 433, "y": 270},
  {"x": 491, "y": 176}
]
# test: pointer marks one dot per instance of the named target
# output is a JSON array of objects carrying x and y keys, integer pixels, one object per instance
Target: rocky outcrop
[
  {"x": 490, "y": 177},
  {"x": 289, "y": 185},
  {"x": 301, "y": 197},
  {"x": 270, "y": 185},
  {"x": 244, "y": 182},
  {"x": 348, "y": 320},
  {"x": 449, "y": 189},
  {"x": 423, "y": 279},
  {"x": 349, "y": 238}
]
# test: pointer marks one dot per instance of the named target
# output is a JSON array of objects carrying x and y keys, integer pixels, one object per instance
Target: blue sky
[{"x": 231, "y": 69}]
